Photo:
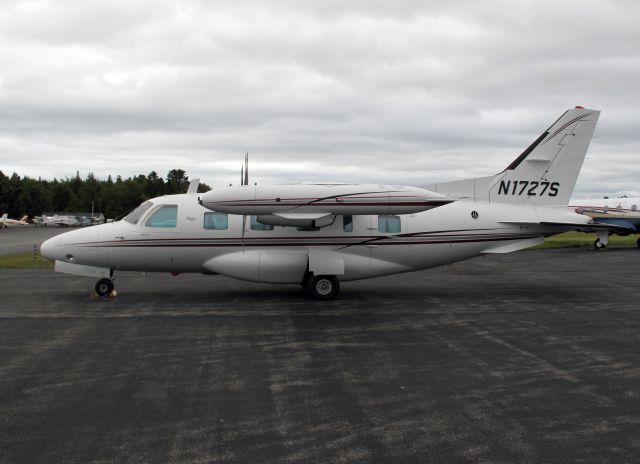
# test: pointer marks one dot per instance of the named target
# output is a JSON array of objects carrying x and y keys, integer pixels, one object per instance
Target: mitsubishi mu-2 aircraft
[{"x": 319, "y": 235}]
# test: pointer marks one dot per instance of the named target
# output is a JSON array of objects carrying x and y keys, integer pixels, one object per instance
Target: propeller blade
[
  {"x": 244, "y": 225},
  {"x": 246, "y": 169}
]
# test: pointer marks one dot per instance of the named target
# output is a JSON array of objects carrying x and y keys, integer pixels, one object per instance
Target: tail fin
[
  {"x": 4, "y": 217},
  {"x": 545, "y": 173},
  {"x": 24, "y": 218}
]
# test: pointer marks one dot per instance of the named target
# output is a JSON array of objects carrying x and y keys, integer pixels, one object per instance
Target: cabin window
[
  {"x": 255, "y": 225},
  {"x": 134, "y": 216},
  {"x": 165, "y": 216},
  {"x": 389, "y": 224},
  {"x": 215, "y": 221},
  {"x": 347, "y": 223}
]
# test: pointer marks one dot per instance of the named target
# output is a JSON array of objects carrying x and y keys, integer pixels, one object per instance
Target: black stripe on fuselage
[{"x": 383, "y": 241}]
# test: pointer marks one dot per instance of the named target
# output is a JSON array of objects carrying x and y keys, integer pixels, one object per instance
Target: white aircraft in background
[
  {"x": 621, "y": 215},
  {"x": 57, "y": 220},
  {"x": 5, "y": 221},
  {"x": 319, "y": 235}
]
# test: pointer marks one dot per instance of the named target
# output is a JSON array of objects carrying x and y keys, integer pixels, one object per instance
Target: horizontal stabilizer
[
  {"x": 515, "y": 246},
  {"x": 581, "y": 226}
]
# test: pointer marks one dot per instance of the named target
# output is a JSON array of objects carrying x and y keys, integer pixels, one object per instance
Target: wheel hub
[{"x": 324, "y": 287}]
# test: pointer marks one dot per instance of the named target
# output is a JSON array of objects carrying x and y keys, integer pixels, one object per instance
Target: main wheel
[
  {"x": 104, "y": 287},
  {"x": 599, "y": 245},
  {"x": 323, "y": 287}
]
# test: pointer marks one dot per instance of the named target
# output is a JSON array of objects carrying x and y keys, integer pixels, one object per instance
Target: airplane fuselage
[{"x": 444, "y": 235}]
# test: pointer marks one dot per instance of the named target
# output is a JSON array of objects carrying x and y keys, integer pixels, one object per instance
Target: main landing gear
[
  {"x": 104, "y": 287},
  {"x": 598, "y": 245},
  {"x": 321, "y": 287},
  {"x": 602, "y": 241}
]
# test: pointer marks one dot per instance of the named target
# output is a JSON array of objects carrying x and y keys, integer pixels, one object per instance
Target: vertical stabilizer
[{"x": 544, "y": 174}]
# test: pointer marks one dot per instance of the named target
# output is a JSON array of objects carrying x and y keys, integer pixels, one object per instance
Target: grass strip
[{"x": 25, "y": 261}]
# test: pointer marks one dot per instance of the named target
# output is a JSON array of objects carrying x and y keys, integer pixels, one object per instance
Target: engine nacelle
[{"x": 329, "y": 199}]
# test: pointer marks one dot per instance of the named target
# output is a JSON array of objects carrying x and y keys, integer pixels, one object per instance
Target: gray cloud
[{"x": 405, "y": 92}]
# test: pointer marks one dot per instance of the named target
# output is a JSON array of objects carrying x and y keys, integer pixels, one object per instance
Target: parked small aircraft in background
[
  {"x": 5, "y": 221},
  {"x": 68, "y": 220},
  {"x": 319, "y": 235},
  {"x": 621, "y": 215},
  {"x": 56, "y": 220}
]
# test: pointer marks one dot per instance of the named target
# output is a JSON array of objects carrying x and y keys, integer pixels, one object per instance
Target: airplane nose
[{"x": 48, "y": 248}]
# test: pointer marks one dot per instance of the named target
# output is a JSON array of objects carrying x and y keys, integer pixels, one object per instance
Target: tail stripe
[
  {"x": 567, "y": 125},
  {"x": 525, "y": 153}
]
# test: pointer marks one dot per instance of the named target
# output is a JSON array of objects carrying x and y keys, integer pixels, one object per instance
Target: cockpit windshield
[{"x": 134, "y": 216}]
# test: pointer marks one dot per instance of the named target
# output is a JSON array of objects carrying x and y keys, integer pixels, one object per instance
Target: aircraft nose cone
[{"x": 49, "y": 248}]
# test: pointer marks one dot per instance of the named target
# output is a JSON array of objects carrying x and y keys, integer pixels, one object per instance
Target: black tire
[
  {"x": 323, "y": 287},
  {"x": 104, "y": 287},
  {"x": 598, "y": 245}
]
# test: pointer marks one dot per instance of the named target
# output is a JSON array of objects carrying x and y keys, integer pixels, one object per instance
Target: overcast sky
[{"x": 400, "y": 92}]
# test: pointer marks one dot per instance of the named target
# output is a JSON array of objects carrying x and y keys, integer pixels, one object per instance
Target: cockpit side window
[
  {"x": 165, "y": 216},
  {"x": 134, "y": 216}
]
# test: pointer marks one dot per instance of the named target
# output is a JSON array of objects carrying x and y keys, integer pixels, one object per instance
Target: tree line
[{"x": 113, "y": 198}]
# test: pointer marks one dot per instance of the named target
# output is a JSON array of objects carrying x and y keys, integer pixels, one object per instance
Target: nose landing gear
[{"x": 104, "y": 287}]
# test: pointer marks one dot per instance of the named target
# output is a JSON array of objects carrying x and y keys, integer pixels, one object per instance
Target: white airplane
[
  {"x": 57, "y": 220},
  {"x": 622, "y": 215},
  {"x": 322, "y": 234},
  {"x": 5, "y": 221}
]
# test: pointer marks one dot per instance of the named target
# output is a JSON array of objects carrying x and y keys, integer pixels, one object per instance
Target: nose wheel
[{"x": 104, "y": 287}]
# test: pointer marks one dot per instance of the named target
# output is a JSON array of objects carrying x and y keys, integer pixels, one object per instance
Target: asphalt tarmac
[
  {"x": 21, "y": 239},
  {"x": 531, "y": 357}
]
